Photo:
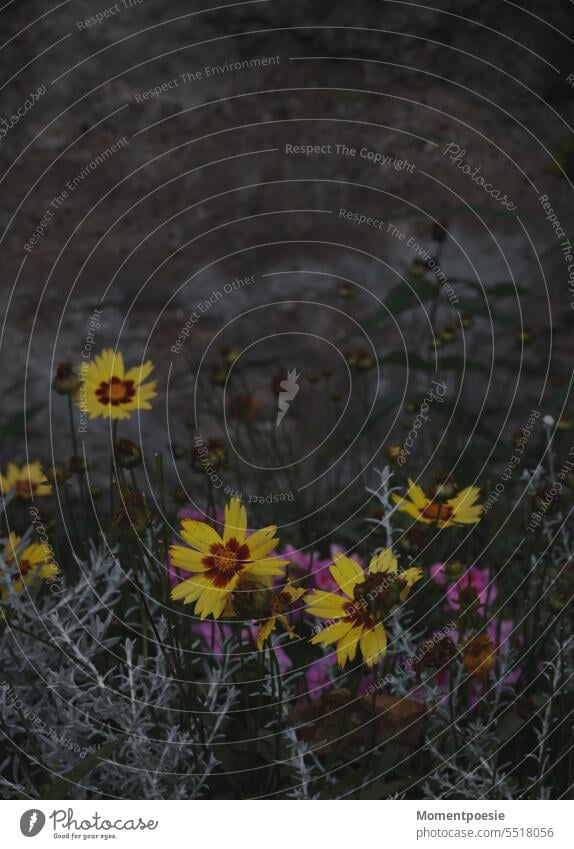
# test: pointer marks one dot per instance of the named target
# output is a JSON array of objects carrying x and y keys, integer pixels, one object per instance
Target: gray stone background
[{"x": 204, "y": 191}]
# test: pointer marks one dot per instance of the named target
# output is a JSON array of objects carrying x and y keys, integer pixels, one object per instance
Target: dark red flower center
[
  {"x": 115, "y": 391},
  {"x": 25, "y": 488},
  {"x": 226, "y": 561},
  {"x": 437, "y": 512},
  {"x": 19, "y": 569}
]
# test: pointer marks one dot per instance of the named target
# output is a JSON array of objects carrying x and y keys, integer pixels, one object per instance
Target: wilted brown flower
[
  {"x": 436, "y": 654},
  {"x": 244, "y": 406},
  {"x": 340, "y": 719},
  {"x": 57, "y": 474},
  {"x": 392, "y": 452},
  {"x": 212, "y": 453},
  {"x": 230, "y": 355},
  {"x": 478, "y": 656},
  {"x": 77, "y": 465},
  {"x": 346, "y": 290},
  {"x": 218, "y": 374},
  {"x": 133, "y": 517}
]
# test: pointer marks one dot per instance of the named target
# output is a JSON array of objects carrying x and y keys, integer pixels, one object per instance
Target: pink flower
[
  {"x": 473, "y": 577},
  {"x": 318, "y": 677},
  {"x": 214, "y": 634}
]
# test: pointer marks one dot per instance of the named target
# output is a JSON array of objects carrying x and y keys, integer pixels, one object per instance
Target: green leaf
[
  {"x": 405, "y": 296},
  {"x": 413, "y": 360},
  {"x": 505, "y": 289},
  {"x": 59, "y": 788},
  {"x": 477, "y": 306}
]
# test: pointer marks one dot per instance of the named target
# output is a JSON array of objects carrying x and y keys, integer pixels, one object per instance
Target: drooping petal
[
  {"x": 373, "y": 644},
  {"x": 212, "y": 601},
  {"x": 347, "y": 646},
  {"x": 265, "y": 630}
]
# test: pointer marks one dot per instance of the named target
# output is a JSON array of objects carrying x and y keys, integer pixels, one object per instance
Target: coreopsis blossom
[
  {"x": 28, "y": 480},
  {"x": 462, "y": 509},
  {"x": 359, "y": 614},
  {"x": 280, "y": 602},
  {"x": 218, "y": 562},
  {"x": 107, "y": 389},
  {"x": 26, "y": 565}
]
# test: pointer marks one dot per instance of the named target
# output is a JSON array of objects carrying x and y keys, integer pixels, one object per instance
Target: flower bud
[
  {"x": 66, "y": 380},
  {"x": 127, "y": 454},
  {"x": 133, "y": 517},
  {"x": 77, "y": 465},
  {"x": 251, "y": 600},
  {"x": 454, "y": 570},
  {"x": 56, "y": 474},
  {"x": 392, "y": 452}
]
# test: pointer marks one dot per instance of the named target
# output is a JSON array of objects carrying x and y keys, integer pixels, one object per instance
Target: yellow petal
[
  {"x": 200, "y": 535},
  {"x": 411, "y": 576},
  {"x": 384, "y": 562},
  {"x": 373, "y": 644},
  {"x": 265, "y": 631},
  {"x": 466, "y": 497},
  {"x": 213, "y": 601},
  {"x": 416, "y": 495},
  {"x": 191, "y": 589},
  {"x": 139, "y": 373},
  {"x": 268, "y": 566},
  {"x": 187, "y": 558},
  {"x": 294, "y": 593},
  {"x": 262, "y": 542},
  {"x": 325, "y": 605},
  {"x": 347, "y": 573},
  {"x": 332, "y": 633},
  {"x": 347, "y": 646},
  {"x": 235, "y": 521}
]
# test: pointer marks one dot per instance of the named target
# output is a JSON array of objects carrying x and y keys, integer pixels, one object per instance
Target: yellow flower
[
  {"x": 280, "y": 603},
  {"x": 219, "y": 562},
  {"x": 107, "y": 389},
  {"x": 34, "y": 562},
  {"x": 460, "y": 510},
  {"x": 359, "y": 614},
  {"x": 29, "y": 480}
]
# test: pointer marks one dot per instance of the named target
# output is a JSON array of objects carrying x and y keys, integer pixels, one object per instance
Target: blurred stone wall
[{"x": 158, "y": 171}]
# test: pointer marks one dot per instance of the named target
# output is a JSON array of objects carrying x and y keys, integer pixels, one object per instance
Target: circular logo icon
[{"x": 32, "y": 822}]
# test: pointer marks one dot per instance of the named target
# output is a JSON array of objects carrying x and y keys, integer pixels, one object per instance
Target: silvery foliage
[
  {"x": 73, "y": 695},
  {"x": 305, "y": 764},
  {"x": 559, "y": 674},
  {"x": 383, "y": 493}
]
